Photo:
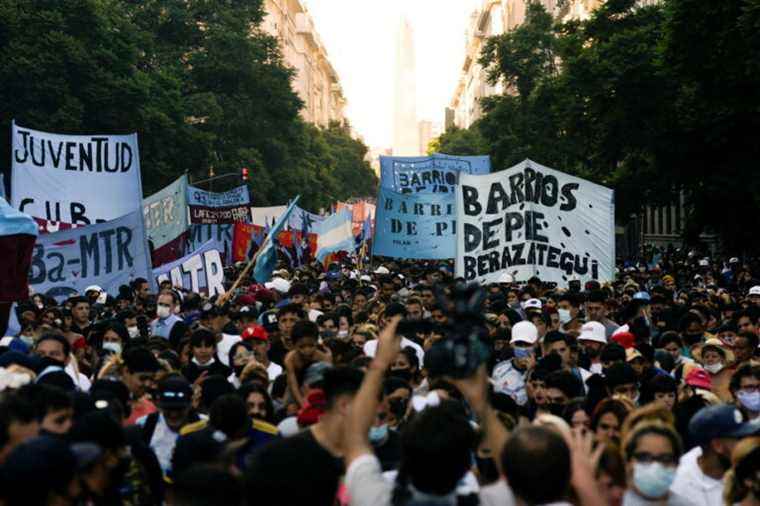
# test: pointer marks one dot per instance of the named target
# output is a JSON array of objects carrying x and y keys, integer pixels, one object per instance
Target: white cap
[
  {"x": 278, "y": 284},
  {"x": 94, "y": 288},
  {"x": 524, "y": 332},
  {"x": 733, "y": 260},
  {"x": 314, "y": 314},
  {"x": 755, "y": 290},
  {"x": 532, "y": 304},
  {"x": 382, "y": 270},
  {"x": 704, "y": 263},
  {"x": 593, "y": 331},
  {"x": 506, "y": 278},
  {"x": 366, "y": 278}
]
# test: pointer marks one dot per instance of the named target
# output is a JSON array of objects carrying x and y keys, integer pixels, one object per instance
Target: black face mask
[
  {"x": 487, "y": 470},
  {"x": 403, "y": 374},
  {"x": 47, "y": 362},
  {"x": 692, "y": 339}
]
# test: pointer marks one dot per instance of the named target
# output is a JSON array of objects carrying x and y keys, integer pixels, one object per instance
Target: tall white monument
[{"x": 405, "y": 127}]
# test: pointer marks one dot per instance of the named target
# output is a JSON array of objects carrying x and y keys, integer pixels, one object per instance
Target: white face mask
[
  {"x": 564, "y": 315},
  {"x": 342, "y": 333},
  {"x": 114, "y": 347},
  {"x": 163, "y": 312},
  {"x": 714, "y": 368},
  {"x": 133, "y": 332}
]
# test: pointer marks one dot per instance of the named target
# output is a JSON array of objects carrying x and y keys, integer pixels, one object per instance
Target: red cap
[
  {"x": 313, "y": 408},
  {"x": 624, "y": 339},
  {"x": 246, "y": 300},
  {"x": 255, "y": 333},
  {"x": 699, "y": 378},
  {"x": 79, "y": 343}
]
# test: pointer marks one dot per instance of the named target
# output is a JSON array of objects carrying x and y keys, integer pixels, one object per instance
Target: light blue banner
[
  {"x": 220, "y": 236},
  {"x": 301, "y": 219},
  {"x": 437, "y": 173},
  {"x": 107, "y": 254},
  {"x": 419, "y": 226},
  {"x": 201, "y": 271},
  {"x": 165, "y": 213}
]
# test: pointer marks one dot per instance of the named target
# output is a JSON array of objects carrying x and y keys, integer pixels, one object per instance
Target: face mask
[
  {"x": 163, "y": 312},
  {"x": 378, "y": 434},
  {"x": 564, "y": 315},
  {"x": 29, "y": 340},
  {"x": 133, "y": 332},
  {"x": 114, "y": 347},
  {"x": 523, "y": 352},
  {"x": 653, "y": 480},
  {"x": 714, "y": 368},
  {"x": 750, "y": 400},
  {"x": 342, "y": 333},
  {"x": 404, "y": 374},
  {"x": 692, "y": 339}
]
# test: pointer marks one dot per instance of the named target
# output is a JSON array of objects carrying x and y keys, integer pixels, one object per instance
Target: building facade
[
  {"x": 492, "y": 18},
  {"x": 316, "y": 81}
]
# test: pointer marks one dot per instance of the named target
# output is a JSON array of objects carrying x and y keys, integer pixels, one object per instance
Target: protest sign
[
  {"x": 106, "y": 254},
  {"x": 75, "y": 179},
  {"x": 220, "y": 235},
  {"x": 201, "y": 271},
  {"x": 531, "y": 220},
  {"x": 266, "y": 216},
  {"x": 215, "y": 208},
  {"x": 420, "y": 226},
  {"x": 303, "y": 220},
  {"x": 165, "y": 213},
  {"x": 437, "y": 173}
]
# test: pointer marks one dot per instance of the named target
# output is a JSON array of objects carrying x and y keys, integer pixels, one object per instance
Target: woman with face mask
[{"x": 651, "y": 450}]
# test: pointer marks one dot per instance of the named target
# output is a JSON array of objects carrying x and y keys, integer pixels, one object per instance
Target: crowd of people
[{"x": 377, "y": 386}]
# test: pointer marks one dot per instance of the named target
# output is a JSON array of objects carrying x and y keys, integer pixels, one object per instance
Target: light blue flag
[
  {"x": 429, "y": 174},
  {"x": 108, "y": 254},
  {"x": 266, "y": 262},
  {"x": 415, "y": 225},
  {"x": 335, "y": 234},
  {"x": 14, "y": 222}
]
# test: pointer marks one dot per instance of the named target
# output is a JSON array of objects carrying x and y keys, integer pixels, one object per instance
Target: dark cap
[
  {"x": 175, "y": 392},
  {"x": 721, "y": 421}
]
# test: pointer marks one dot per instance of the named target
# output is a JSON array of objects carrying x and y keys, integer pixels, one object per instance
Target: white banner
[
  {"x": 531, "y": 220},
  {"x": 201, "y": 271},
  {"x": 76, "y": 179}
]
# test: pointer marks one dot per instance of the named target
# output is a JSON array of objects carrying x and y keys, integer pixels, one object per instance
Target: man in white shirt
[
  {"x": 259, "y": 339},
  {"x": 716, "y": 430}
]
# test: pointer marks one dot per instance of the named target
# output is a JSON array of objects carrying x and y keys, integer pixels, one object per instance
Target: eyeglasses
[{"x": 647, "y": 458}]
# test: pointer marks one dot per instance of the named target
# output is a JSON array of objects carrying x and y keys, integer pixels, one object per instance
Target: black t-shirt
[
  {"x": 277, "y": 352},
  {"x": 294, "y": 471},
  {"x": 389, "y": 453}
]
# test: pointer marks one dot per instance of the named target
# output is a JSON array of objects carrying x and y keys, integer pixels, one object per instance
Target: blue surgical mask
[
  {"x": 523, "y": 352},
  {"x": 378, "y": 434},
  {"x": 653, "y": 480},
  {"x": 750, "y": 400}
]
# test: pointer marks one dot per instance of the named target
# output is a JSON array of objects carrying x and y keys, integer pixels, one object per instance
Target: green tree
[{"x": 459, "y": 141}]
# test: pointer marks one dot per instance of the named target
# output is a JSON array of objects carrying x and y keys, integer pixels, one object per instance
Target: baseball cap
[
  {"x": 720, "y": 421},
  {"x": 255, "y": 333},
  {"x": 625, "y": 339},
  {"x": 524, "y": 332},
  {"x": 733, "y": 260},
  {"x": 382, "y": 270},
  {"x": 593, "y": 331},
  {"x": 175, "y": 392},
  {"x": 279, "y": 285},
  {"x": 698, "y": 378},
  {"x": 755, "y": 290},
  {"x": 93, "y": 288},
  {"x": 642, "y": 296},
  {"x": 506, "y": 278},
  {"x": 632, "y": 354},
  {"x": 532, "y": 304}
]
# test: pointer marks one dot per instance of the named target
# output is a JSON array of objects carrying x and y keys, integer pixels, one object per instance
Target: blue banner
[
  {"x": 429, "y": 174},
  {"x": 107, "y": 254},
  {"x": 419, "y": 226},
  {"x": 201, "y": 271},
  {"x": 220, "y": 236}
]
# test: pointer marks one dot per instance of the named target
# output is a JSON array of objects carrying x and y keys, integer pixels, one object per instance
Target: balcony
[{"x": 305, "y": 26}]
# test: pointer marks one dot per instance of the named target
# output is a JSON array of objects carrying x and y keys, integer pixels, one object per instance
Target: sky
[{"x": 360, "y": 38}]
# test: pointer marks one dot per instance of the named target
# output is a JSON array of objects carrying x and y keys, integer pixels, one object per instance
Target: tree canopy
[
  {"x": 198, "y": 81},
  {"x": 652, "y": 101}
]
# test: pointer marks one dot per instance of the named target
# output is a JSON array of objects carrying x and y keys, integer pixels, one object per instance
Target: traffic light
[{"x": 244, "y": 173}]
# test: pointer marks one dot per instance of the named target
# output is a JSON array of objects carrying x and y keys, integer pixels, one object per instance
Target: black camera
[{"x": 464, "y": 346}]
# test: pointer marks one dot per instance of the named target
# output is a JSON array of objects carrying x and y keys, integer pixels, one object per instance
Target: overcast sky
[{"x": 360, "y": 37}]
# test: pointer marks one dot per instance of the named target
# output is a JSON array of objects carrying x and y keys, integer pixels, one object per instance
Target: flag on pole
[
  {"x": 266, "y": 261},
  {"x": 335, "y": 234}
]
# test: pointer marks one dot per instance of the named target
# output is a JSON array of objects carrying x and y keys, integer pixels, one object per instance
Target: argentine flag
[{"x": 335, "y": 234}]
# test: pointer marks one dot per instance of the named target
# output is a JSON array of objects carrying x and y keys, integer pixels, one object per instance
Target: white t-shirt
[
  {"x": 224, "y": 346},
  {"x": 273, "y": 370},
  {"x": 691, "y": 482},
  {"x": 370, "y": 347},
  {"x": 81, "y": 381}
]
